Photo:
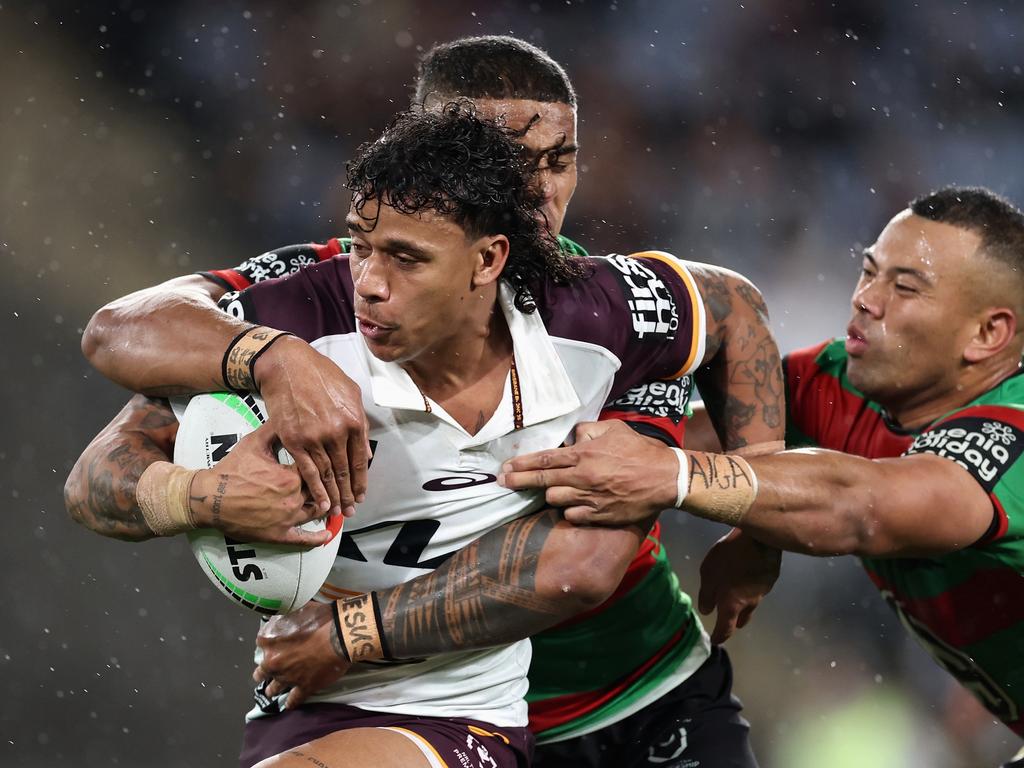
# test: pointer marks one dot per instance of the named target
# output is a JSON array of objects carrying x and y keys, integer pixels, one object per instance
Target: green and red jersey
[
  {"x": 639, "y": 644},
  {"x": 965, "y": 607}
]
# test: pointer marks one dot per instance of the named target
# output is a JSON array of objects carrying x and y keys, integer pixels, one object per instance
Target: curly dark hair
[{"x": 472, "y": 171}]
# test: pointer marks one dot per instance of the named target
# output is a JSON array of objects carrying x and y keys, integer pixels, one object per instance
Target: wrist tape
[
  {"x": 358, "y": 624},
  {"x": 720, "y": 487},
  {"x": 162, "y": 494},
  {"x": 237, "y": 365}
]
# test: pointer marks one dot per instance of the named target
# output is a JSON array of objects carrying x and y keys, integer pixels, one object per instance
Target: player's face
[
  {"x": 911, "y": 311},
  {"x": 416, "y": 281},
  {"x": 551, "y": 143}
]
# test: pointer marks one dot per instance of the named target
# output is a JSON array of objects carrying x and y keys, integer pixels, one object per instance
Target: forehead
[
  {"x": 556, "y": 122},
  {"x": 426, "y": 228},
  {"x": 934, "y": 248}
]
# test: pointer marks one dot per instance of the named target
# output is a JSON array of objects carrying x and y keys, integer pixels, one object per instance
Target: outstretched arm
[{"x": 813, "y": 501}]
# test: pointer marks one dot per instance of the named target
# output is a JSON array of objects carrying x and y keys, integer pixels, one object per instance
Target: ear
[
  {"x": 996, "y": 330},
  {"x": 491, "y": 258}
]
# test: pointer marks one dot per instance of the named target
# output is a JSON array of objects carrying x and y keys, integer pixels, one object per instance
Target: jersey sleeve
[
  {"x": 276, "y": 263},
  {"x": 987, "y": 441},
  {"x": 644, "y": 309},
  {"x": 314, "y": 302},
  {"x": 657, "y": 409}
]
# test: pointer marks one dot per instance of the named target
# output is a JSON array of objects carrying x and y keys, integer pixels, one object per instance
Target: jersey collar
[{"x": 547, "y": 391}]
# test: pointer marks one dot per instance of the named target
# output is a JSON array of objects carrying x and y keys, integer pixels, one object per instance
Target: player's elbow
[
  {"x": 585, "y": 579},
  {"x": 98, "y": 336}
]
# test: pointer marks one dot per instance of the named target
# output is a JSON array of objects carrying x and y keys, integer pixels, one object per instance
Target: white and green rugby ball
[{"x": 266, "y": 578}]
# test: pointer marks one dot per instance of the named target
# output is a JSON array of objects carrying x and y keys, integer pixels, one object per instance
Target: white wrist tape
[{"x": 683, "y": 477}]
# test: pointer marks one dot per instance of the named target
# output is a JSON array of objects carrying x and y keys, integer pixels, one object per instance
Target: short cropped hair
[
  {"x": 490, "y": 67},
  {"x": 472, "y": 171},
  {"x": 997, "y": 222}
]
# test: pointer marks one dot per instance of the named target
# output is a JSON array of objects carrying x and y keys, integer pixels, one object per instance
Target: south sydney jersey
[{"x": 432, "y": 486}]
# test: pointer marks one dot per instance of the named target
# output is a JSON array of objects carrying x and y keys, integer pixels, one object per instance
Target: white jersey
[{"x": 432, "y": 488}]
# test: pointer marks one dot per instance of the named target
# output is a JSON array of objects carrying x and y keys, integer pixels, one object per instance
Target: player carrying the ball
[{"x": 467, "y": 336}]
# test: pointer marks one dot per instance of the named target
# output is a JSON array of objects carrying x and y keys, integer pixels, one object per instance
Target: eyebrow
[
  {"x": 391, "y": 244},
  {"x": 916, "y": 273}
]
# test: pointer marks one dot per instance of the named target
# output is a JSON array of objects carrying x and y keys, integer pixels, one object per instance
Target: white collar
[{"x": 547, "y": 391}]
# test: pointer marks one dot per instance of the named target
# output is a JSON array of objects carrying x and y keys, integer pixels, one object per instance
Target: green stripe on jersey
[{"x": 618, "y": 640}]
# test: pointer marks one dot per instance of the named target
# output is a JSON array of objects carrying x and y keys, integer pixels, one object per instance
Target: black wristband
[
  {"x": 337, "y": 631},
  {"x": 385, "y": 649},
  {"x": 227, "y": 354},
  {"x": 252, "y": 362}
]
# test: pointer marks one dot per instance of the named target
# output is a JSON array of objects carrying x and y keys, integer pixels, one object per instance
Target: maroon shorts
[{"x": 455, "y": 742}]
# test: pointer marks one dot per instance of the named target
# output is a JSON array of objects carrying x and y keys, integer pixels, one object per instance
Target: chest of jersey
[{"x": 432, "y": 487}]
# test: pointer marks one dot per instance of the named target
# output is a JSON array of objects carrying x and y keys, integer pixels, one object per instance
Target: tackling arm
[
  {"x": 136, "y": 340},
  {"x": 823, "y": 502},
  {"x": 810, "y": 500}
]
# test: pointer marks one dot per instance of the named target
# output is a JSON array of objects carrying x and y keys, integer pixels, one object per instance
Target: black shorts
[
  {"x": 457, "y": 741},
  {"x": 695, "y": 725}
]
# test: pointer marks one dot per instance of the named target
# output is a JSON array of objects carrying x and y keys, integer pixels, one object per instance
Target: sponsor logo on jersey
[
  {"x": 652, "y": 306},
  {"x": 984, "y": 447},
  {"x": 661, "y": 399},
  {"x": 459, "y": 479},
  {"x": 276, "y": 263},
  {"x": 670, "y": 749}
]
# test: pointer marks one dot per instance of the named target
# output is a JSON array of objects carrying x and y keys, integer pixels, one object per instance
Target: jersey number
[{"x": 407, "y": 548}]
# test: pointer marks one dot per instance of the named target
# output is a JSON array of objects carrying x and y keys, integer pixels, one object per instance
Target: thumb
[{"x": 707, "y": 594}]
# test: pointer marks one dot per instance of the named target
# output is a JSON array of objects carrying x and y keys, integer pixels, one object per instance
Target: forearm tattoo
[
  {"x": 100, "y": 492},
  {"x": 742, "y": 383},
  {"x": 484, "y": 594}
]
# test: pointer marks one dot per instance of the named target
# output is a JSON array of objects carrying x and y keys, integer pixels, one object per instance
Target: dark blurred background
[{"x": 142, "y": 140}]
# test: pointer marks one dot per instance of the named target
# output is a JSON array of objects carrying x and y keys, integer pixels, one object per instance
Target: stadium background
[{"x": 139, "y": 141}]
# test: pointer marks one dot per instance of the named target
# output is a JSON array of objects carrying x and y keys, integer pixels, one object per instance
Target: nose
[
  {"x": 370, "y": 279},
  {"x": 544, "y": 184},
  {"x": 869, "y": 299}
]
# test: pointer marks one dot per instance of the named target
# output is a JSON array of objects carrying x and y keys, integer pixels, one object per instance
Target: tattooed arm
[
  {"x": 248, "y": 495},
  {"x": 741, "y": 379},
  {"x": 100, "y": 491},
  {"x": 511, "y": 583}
]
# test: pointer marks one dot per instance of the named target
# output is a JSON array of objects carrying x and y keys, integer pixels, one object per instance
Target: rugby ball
[{"x": 266, "y": 578}]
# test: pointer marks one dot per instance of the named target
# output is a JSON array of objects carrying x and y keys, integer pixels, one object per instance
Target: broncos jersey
[{"x": 432, "y": 485}]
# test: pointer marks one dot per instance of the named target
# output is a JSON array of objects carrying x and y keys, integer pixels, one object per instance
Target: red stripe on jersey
[
  {"x": 328, "y": 250},
  {"x": 672, "y": 430},
  {"x": 990, "y": 601},
  {"x": 1013, "y": 416},
  {"x": 833, "y": 416},
  {"x": 232, "y": 278},
  {"x": 549, "y": 713},
  {"x": 639, "y": 567}
]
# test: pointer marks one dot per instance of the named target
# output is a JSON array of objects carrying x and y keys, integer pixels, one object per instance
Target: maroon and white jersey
[{"x": 432, "y": 486}]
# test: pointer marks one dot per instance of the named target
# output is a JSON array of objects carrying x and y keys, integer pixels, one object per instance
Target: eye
[
  {"x": 867, "y": 271},
  {"x": 359, "y": 250},
  {"x": 904, "y": 288}
]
